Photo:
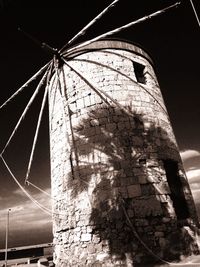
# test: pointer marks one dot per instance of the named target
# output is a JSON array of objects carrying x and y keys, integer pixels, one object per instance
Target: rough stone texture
[{"x": 111, "y": 147}]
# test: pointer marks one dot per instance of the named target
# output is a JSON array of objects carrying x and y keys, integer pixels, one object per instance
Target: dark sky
[{"x": 173, "y": 41}]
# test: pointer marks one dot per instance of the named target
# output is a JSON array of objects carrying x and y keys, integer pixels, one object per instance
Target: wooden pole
[
  {"x": 104, "y": 35},
  {"x": 195, "y": 13},
  {"x": 82, "y": 32}
]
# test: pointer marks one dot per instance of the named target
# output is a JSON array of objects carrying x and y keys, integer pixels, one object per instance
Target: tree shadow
[{"x": 120, "y": 159}]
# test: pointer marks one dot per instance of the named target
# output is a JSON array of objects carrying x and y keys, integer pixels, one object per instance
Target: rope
[
  {"x": 53, "y": 102},
  {"x": 25, "y": 85},
  {"x": 44, "y": 192},
  {"x": 44, "y": 209},
  {"x": 101, "y": 92},
  {"x": 40, "y": 206},
  {"x": 104, "y": 35},
  {"x": 144, "y": 244},
  {"x": 37, "y": 128},
  {"x": 36, "y": 135},
  {"x": 87, "y": 82},
  {"x": 195, "y": 13},
  {"x": 123, "y": 74},
  {"x": 36, "y": 187},
  {"x": 83, "y": 30},
  {"x": 136, "y": 234},
  {"x": 24, "y": 112},
  {"x": 65, "y": 97},
  {"x": 64, "y": 111}
]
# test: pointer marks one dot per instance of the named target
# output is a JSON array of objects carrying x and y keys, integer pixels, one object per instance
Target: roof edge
[{"x": 110, "y": 43}]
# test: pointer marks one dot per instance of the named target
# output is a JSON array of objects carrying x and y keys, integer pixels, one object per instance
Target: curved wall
[{"x": 119, "y": 188}]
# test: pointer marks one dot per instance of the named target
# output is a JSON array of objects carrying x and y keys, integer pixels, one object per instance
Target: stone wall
[{"x": 117, "y": 176}]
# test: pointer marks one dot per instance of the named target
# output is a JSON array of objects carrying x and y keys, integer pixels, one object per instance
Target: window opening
[
  {"x": 177, "y": 195},
  {"x": 139, "y": 72}
]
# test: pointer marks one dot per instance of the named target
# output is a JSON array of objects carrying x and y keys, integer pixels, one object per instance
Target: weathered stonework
[{"x": 120, "y": 192}]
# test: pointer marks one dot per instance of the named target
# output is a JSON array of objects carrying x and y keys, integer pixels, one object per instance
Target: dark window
[
  {"x": 139, "y": 72},
  {"x": 176, "y": 188}
]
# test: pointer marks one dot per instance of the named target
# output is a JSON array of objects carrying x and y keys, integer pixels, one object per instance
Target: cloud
[
  {"x": 17, "y": 208},
  {"x": 188, "y": 154},
  {"x": 19, "y": 192},
  {"x": 193, "y": 175},
  {"x": 196, "y": 194},
  {"x": 25, "y": 216},
  {"x": 191, "y": 161}
]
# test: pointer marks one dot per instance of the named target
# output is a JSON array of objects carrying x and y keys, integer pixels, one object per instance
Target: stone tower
[{"x": 120, "y": 194}]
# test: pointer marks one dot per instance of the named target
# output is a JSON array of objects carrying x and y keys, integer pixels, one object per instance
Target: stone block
[
  {"x": 125, "y": 181},
  {"x": 149, "y": 206},
  {"x": 141, "y": 222},
  {"x": 77, "y": 229},
  {"x": 89, "y": 229},
  {"x": 159, "y": 234},
  {"x": 142, "y": 179},
  {"x": 103, "y": 121},
  {"x": 94, "y": 122},
  {"x": 111, "y": 127},
  {"x": 76, "y": 238},
  {"x": 96, "y": 239},
  {"x": 80, "y": 103},
  {"x": 147, "y": 189},
  {"x": 166, "y": 219},
  {"x": 86, "y": 237},
  {"x": 134, "y": 191},
  {"x": 130, "y": 213},
  {"x": 102, "y": 256},
  {"x": 91, "y": 249},
  {"x": 121, "y": 126},
  {"x": 123, "y": 191},
  {"x": 160, "y": 228},
  {"x": 87, "y": 101}
]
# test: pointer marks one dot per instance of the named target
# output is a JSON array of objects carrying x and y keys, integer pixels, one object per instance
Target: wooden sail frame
[{"x": 60, "y": 55}]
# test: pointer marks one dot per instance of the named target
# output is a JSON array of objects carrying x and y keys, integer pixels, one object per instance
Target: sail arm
[
  {"x": 38, "y": 123},
  {"x": 34, "y": 77},
  {"x": 117, "y": 30},
  {"x": 83, "y": 30},
  {"x": 25, "y": 111}
]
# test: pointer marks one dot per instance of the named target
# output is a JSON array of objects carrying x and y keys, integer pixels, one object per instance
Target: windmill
[{"x": 55, "y": 67}]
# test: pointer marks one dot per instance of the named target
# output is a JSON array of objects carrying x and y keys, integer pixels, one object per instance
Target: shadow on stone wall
[{"x": 130, "y": 196}]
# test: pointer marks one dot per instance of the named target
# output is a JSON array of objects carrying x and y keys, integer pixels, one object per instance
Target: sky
[{"x": 172, "y": 39}]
